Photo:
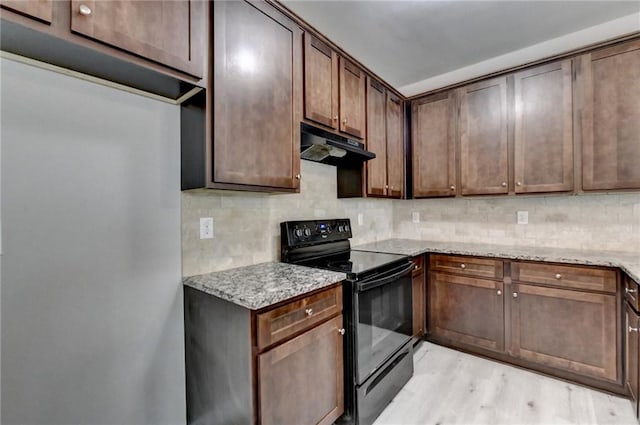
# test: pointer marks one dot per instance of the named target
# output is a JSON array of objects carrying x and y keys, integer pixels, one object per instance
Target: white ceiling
[{"x": 408, "y": 42}]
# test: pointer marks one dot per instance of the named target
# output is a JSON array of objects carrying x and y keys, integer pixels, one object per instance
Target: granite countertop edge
[
  {"x": 262, "y": 285},
  {"x": 628, "y": 262}
]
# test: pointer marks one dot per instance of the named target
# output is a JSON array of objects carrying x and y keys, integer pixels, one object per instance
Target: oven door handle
[{"x": 365, "y": 285}]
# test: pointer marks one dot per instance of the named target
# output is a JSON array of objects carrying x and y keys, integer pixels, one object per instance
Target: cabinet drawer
[
  {"x": 588, "y": 278},
  {"x": 631, "y": 292},
  {"x": 418, "y": 267},
  {"x": 468, "y": 266},
  {"x": 280, "y": 323}
]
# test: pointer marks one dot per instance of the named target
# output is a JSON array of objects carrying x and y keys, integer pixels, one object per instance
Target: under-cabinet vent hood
[{"x": 322, "y": 146}]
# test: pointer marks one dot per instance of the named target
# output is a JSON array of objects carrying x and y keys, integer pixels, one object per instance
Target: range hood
[{"x": 322, "y": 146}]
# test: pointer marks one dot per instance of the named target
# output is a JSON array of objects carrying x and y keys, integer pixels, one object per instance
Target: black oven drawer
[{"x": 378, "y": 391}]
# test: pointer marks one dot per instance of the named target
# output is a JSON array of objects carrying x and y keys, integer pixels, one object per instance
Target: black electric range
[{"x": 377, "y": 311}]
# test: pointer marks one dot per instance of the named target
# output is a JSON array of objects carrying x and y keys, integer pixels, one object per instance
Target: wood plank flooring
[{"x": 450, "y": 387}]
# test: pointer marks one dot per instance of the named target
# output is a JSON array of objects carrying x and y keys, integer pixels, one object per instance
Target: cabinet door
[
  {"x": 544, "y": 129},
  {"x": 419, "y": 308},
  {"x": 395, "y": 146},
  {"x": 168, "y": 32},
  {"x": 483, "y": 137},
  {"x": 257, "y": 89},
  {"x": 466, "y": 310},
  {"x": 320, "y": 82},
  {"x": 433, "y": 137},
  {"x": 308, "y": 374},
  {"x": 631, "y": 354},
  {"x": 376, "y": 139},
  {"x": 611, "y": 118},
  {"x": 39, "y": 9},
  {"x": 571, "y": 330},
  {"x": 352, "y": 99}
]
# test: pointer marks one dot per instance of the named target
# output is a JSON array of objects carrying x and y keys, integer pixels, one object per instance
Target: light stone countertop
[
  {"x": 261, "y": 285},
  {"x": 626, "y": 261}
]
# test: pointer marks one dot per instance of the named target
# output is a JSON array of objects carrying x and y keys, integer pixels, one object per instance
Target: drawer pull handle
[
  {"x": 558, "y": 276},
  {"x": 633, "y": 329},
  {"x": 85, "y": 10},
  {"x": 298, "y": 176},
  {"x": 515, "y": 295},
  {"x": 341, "y": 331},
  {"x": 504, "y": 184},
  {"x": 452, "y": 187},
  {"x": 309, "y": 311},
  {"x": 462, "y": 266},
  {"x": 629, "y": 291},
  {"x": 499, "y": 292}
]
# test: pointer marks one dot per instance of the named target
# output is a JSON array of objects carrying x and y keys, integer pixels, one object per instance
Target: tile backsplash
[
  {"x": 586, "y": 221},
  {"x": 247, "y": 225}
]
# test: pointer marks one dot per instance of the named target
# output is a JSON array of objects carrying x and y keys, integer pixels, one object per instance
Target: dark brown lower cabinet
[
  {"x": 419, "y": 297},
  {"x": 565, "y": 329},
  {"x": 631, "y": 355},
  {"x": 300, "y": 379},
  {"x": 561, "y": 320},
  {"x": 296, "y": 377},
  {"x": 467, "y": 311}
]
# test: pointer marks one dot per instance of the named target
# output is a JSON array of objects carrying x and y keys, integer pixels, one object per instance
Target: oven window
[{"x": 384, "y": 323}]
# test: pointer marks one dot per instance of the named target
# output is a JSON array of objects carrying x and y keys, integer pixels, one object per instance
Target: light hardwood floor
[{"x": 450, "y": 387}]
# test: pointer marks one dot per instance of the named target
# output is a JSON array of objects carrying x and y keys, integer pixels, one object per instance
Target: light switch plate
[
  {"x": 206, "y": 227},
  {"x": 415, "y": 217},
  {"x": 522, "y": 217}
]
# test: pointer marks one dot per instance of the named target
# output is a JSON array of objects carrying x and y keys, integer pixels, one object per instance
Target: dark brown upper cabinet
[
  {"x": 433, "y": 121},
  {"x": 38, "y": 9},
  {"x": 610, "y": 118},
  {"x": 385, "y": 130},
  {"x": 352, "y": 99},
  {"x": 395, "y": 146},
  {"x": 257, "y": 98},
  {"x": 543, "y": 114},
  {"x": 320, "y": 82},
  {"x": 482, "y": 128},
  {"x": 163, "y": 31},
  {"x": 377, "y": 139},
  {"x": 334, "y": 89}
]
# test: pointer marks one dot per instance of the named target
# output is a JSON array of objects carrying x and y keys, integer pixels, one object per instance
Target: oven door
[{"x": 383, "y": 318}]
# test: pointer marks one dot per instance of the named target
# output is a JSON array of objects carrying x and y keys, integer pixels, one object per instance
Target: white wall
[{"x": 92, "y": 314}]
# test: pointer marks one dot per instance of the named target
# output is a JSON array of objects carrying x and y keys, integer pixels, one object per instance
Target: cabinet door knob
[
  {"x": 504, "y": 184},
  {"x": 629, "y": 291},
  {"x": 558, "y": 276},
  {"x": 518, "y": 183},
  {"x": 386, "y": 186},
  {"x": 85, "y": 10},
  {"x": 309, "y": 311},
  {"x": 633, "y": 329},
  {"x": 298, "y": 176},
  {"x": 462, "y": 266},
  {"x": 499, "y": 292},
  {"x": 415, "y": 267},
  {"x": 515, "y": 295},
  {"x": 335, "y": 118},
  {"x": 341, "y": 331},
  {"x": 344, "y": 121},
  {"x": 452, "y": 187}
]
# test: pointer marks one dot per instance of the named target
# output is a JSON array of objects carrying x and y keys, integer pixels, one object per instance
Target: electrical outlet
[
  {"x": 415, "y": 217},
  {"x": 206, "y": 227},
  {"x": 522, "y": 217},
  {"x": 360, "y": 219}
]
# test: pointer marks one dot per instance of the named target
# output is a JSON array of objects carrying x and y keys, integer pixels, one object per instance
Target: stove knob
[
  {"x": 298, "y": 233},
  {"x": 329, "y": 229},
  {"x": 341, "y": 228},
  {"x": 346, "y": 227},
  {"x": 307, "y": 231}
]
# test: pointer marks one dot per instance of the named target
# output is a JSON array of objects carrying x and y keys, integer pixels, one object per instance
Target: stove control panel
[{"x": 314, "y": 231}]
